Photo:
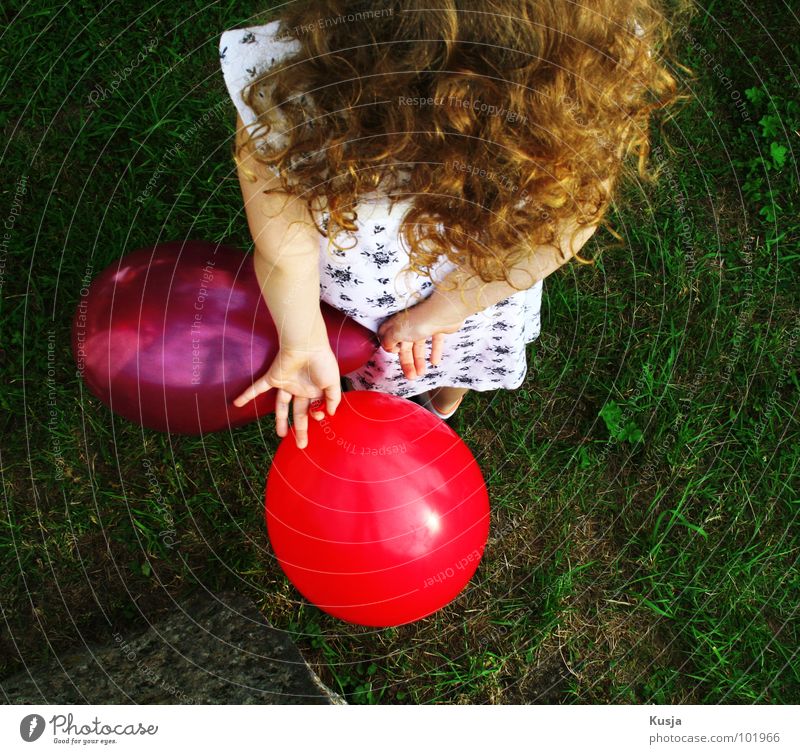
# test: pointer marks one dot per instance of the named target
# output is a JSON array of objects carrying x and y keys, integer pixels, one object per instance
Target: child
[{"x": 423, "y": 170}]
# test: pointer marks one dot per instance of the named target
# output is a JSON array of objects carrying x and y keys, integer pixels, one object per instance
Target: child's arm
[
  {"x": 286, "y": 254},
  {"x": 464, "y": 294},
  {"x": 287, "y": 268},
  {"x": 466, "y": 297}
]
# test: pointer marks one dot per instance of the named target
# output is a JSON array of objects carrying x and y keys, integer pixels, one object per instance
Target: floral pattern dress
[{"x": 368, "y": 280}]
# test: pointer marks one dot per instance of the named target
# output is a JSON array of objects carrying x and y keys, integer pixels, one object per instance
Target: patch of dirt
[{"x": 607, "y": 643}]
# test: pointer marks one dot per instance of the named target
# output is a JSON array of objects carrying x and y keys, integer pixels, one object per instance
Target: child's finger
[
  {"x": 300, "y": 415},
  {"x": 437, "y": 346},
  {"x": 418, "y": 350},
  {"x": 315, "y": 409},
  {"x": 333, "y": 397},
  {"x": 407, "y": 360},
  {"x": 282, "y": 400},
  {"x": 389, "y": 345},
  {"x": 259, "y": 386}
]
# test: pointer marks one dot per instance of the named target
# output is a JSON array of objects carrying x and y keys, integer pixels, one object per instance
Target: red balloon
[
  {"x": 383, "y": 518},
  {"x": 170, "y": 335}
]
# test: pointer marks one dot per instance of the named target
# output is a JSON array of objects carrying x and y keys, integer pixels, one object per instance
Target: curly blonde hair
[{"x": 501, "y": 120}]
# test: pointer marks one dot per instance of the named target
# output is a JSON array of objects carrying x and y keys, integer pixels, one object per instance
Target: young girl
[{"x": 423, "y": 169}]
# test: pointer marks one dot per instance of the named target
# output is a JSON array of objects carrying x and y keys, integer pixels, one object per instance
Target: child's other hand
[
  {"x": 301, "y": 376},
  {"x": 407, "y": 333}
]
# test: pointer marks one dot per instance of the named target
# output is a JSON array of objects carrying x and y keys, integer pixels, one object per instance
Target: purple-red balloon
[
  {"x": 383, "y": 518},
  {"x": 170, "y": 335}
]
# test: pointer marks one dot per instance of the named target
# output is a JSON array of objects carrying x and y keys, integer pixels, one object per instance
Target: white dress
[{"x": 368, "y": 283}]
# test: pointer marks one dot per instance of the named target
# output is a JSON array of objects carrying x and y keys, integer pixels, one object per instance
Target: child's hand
[
  {"x": 302, "y": 375},
  {"x": 408, "y": 331}
]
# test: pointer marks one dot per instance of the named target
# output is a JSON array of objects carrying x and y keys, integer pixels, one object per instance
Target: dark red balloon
[
  {"x": 383, "y": 518},
  {"x": 171, "y": 334}
]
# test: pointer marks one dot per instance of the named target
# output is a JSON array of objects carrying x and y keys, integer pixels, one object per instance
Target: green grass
[{"x": 643, "y": 480}]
